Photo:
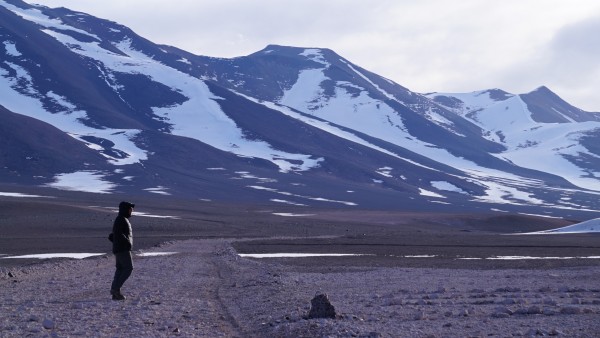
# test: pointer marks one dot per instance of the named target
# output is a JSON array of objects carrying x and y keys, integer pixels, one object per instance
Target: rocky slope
[{"x": 89, "y": 105}]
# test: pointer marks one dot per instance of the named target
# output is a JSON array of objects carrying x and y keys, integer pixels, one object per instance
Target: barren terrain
[{"x": 417, "y": 275}]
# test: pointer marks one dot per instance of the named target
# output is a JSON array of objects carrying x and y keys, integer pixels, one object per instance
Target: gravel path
[{"x": 206, "y": 290}]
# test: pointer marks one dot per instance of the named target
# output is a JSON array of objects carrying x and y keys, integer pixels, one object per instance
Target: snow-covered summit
[
  {"x": 87, "y": 97},
  {"x": 589, "y": 226}
]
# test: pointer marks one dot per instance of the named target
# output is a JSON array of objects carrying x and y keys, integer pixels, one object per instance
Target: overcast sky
[{"x": 424, "y": 45}]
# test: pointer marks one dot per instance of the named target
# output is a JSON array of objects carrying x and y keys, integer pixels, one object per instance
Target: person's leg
[
  {"x": 127, "y": 264},
  {"x": 124, "y": 267},
  {"x": 114, "y": 288}
]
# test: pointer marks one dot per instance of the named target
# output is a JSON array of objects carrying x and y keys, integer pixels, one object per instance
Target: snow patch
[
  {"x": 11, "y": 49},
  {"x": 319, "y": 199},
  {"x": 315, "y": 55},
  {"x": 20, "y": 96},
  {"x": 86, "y": 181},
  {"x": 385, "y": 171},
  {"x": 55, "y": 255},
  {"x": 154, "y": 254},
  {"x": 447, "y": 186},
  {"x": 20, "y": 195},
  {"x": 428, "y": 193},
  {"x": 200, "y": 117},
  {"x": 299, "y": 255},
  {"x": 143, "y": 214},
  {"x": 158, "y": 190},
  {"x": 590, "y": 226},
  {"x": 36, "y": 16},
  {"x": 287, "y": 214},
  {"x": 184, "y": 60},
  {"x": 545, "y": 147},
  {"x": 276, "y": 200}
]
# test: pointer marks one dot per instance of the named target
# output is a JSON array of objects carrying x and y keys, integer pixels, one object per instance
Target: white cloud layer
[{"x": 426, "y": 45}]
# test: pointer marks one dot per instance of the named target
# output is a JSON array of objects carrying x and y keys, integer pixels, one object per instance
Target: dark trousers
[{"x": 124, "y": 268}]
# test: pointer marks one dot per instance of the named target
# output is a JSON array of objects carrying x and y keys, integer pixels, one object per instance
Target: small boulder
[
  {"x": 321, "y": 307},
  {"x": 48, "y": 324},
  {"x": 570, "y": 310}
]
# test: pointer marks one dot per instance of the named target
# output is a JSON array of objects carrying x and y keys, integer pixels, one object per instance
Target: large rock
[{"x": 320, "y": 307}]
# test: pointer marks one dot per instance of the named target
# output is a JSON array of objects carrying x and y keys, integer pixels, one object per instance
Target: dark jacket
[{"x": 122, "y": 239}]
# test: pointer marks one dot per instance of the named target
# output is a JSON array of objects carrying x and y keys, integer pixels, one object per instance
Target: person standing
[{"x": 122, "y": 242}]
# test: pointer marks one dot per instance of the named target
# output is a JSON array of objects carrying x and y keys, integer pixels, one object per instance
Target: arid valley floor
[{"x": 408, "y": 275}]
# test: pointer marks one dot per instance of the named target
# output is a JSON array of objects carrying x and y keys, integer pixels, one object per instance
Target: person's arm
[{"x": 120, "y": 233}]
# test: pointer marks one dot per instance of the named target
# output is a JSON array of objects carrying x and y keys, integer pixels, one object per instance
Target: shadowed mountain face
[{"x": 87, "y": 102}]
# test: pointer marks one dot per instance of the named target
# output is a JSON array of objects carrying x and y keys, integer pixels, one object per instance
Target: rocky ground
[
  {"x": 206, "y": 290},
  {"x": 412, "y": 281}
]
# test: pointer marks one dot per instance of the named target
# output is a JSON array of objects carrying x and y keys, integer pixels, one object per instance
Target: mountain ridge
[{"x": 285, "y": 124}]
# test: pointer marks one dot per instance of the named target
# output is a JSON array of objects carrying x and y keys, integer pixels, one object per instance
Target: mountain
[{"x": 89, "y": 105}]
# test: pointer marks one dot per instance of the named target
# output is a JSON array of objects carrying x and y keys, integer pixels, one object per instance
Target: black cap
[{"x": 126, "y": 205}]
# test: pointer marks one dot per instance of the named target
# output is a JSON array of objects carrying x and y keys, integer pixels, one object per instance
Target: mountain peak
[
  {"x": 543, "y": 90},
  {"x": 497, "y": 94},
  {"x": 291, "y": 48},
  {"x": 547, "y": 107},
  {"x": 295, "y": 125},
  {"x": 296, "y": 51}
]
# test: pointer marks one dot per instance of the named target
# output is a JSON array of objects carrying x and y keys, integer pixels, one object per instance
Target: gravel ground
[{"x": 207, "y": 290}]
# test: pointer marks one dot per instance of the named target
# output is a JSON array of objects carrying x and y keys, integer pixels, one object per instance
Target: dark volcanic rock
[{"x": 321, "y": 307}]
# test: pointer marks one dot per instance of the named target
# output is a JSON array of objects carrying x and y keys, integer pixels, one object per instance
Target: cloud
[
  {"x": 573, "y": 60},
  {"x": 230, "y": 28},
  {"x": 568, "y": 64},
  {"x": 574, "y": 51},
  {"x": 425, "y": 45}
]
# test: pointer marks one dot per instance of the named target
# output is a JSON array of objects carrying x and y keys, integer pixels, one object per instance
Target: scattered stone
[
  {"x": 521, "y": 311},
  {"x": 570, "y": 289},
  {"x": 35, "y": 330},
  {"x": 537, "y": 332},
  {"x": 504, "y": 310},
  {"x": 392, "y": 302},
  {"x": 532, "y": 310},
  {"x": 535, "y": 310},
  {"x": 500, "y": 315},
  {"x": 423, "y": 302},
  {"x": 321, "y": 307},
  {"x": 48, "y": 324},
  {"x": 508, "y": 289},
  {"x": 570, "y": 310},
  {"x": 420, "y": 315}
]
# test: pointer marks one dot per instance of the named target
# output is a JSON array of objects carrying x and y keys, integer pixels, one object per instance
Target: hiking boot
[{"x": 118, "y": 296}]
